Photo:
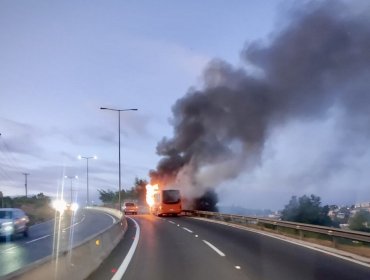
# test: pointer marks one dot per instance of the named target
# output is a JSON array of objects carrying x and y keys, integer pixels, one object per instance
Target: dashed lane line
[
  {"x": 9, "y": 249},
  {"x": 218, "y": 251},
  {"x": 188, "y": 230},
  {"x": 75, "y": 224},
  {"x": 295, "y": 242},
  {"x": 37, "y": 239}
]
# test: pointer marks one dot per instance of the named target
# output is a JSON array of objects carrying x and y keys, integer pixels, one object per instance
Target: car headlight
[
  {"x": 7, "y": 226},
  {"x": 74, "y": 207},
  {"x": 59, "y": 205}
]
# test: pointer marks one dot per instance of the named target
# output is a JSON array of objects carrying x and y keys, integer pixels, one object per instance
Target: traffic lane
[
  {"x": 263, "y": 257},
  {"x": 67, "y": 234},
  {"x": 22, "y": 251},
  {"x": 166, "y": 251},
  {"x": 35, "y": 231},
  {"x": 94, "y": 222},
  {"x": 111, "y": 264}
]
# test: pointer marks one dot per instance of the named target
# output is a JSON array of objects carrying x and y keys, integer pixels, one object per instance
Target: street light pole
[
  {"x": 71, "y": 178},
  {"x": 119, "y": 149},
  {"x": 119, "y": 161},
  {"x": 87, "y": 177}
]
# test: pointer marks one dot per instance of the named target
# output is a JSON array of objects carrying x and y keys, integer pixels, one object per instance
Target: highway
[
  {"x": 42, "y": 242},
  {"x": 186, "y": 248}
]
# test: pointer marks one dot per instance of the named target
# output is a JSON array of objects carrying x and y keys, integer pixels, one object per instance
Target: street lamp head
[
  {"x": 79, "y": 157},
  {"x": 95, "y": 157},
  {"x": 76, "y": 177},
  {"x": 103, "y": 108}
]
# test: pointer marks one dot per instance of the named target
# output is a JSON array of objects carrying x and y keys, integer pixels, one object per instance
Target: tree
[
  {"x": 140, "y": 189},
  {"x": 137, "y": 192},
  {"x": 360, "y": 221},
  {"x": 108, "y": 196},
  {"x": 308, "y": 210}
]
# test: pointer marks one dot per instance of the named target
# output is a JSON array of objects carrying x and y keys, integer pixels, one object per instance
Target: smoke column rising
[{"x": 317, "y": 62}]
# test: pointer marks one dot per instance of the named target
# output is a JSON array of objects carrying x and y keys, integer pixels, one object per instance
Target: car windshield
[{"x": 6, "y": 214}]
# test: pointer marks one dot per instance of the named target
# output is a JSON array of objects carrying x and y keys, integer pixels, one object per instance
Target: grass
[{"x": 38, "y": 214}]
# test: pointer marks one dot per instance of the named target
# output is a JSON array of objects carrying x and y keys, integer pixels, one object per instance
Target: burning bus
[{"x": 163, "y": 202}]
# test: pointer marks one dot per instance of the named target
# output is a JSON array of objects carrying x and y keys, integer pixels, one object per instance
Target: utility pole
[
  {"x": 25, "y": 181},
  {"x": 2, "y": 199},
  {"x": 71, "y": 178}
]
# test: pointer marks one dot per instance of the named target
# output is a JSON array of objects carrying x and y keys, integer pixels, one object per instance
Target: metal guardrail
[{"x": 334, "y": 233}]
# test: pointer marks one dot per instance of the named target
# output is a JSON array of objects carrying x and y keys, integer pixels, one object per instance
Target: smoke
[{"x": 320, "y": 60}]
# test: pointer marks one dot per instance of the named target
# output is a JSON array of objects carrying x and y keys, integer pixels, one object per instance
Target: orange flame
[{"x": 150, "y": 191}]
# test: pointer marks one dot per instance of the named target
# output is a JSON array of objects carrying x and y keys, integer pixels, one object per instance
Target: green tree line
[
  {"x": 308, "y": 210},
  {"x": 137, "y": 192}
]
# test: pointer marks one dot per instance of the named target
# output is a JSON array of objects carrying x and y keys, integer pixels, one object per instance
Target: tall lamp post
[
  {"x": 87, "y": 176},
  {"x": 119, "y": 149},
  {"x": 71, "y": 178}
]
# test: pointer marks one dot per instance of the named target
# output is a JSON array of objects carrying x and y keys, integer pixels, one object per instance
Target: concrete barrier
[{"x": 82, "y": 260}]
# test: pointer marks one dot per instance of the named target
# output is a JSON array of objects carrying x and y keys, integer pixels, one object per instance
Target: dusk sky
[{"x": 60, "y": 61}]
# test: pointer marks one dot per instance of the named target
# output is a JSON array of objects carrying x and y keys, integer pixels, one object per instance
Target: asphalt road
[
  {"x": 48, "y": 238},
  {"x": 185, "y": 248}
]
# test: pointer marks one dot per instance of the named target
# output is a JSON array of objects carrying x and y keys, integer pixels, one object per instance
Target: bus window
[{"x": 171, "y": 196}]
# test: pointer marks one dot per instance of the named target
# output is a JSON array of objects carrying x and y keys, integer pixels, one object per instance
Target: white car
[
  {"x": 130, "y": 208},
  {"x": 13, "y": 221}
]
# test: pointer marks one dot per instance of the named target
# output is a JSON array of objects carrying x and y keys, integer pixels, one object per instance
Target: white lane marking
[
  {"x": 188, "y": 230},
  {"x": 40, "y": 224},
  {"x": 218, "y": 251},
  {"x": 290, "y": 241},
  {"x": 37, "y": 239},
  {"x": 122, "y": 268},
  {"x": 9, "y": 249},
  {"x": 237, "y": 267},
  {"x": 75, "y": 224},
  {"x": 114, "y": 220},
  {"x": 171, "y": 222},
  {"x": 178, "y": 225}
]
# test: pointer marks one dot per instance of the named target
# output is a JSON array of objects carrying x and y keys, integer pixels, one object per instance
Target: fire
[{"x": 150, "y": 191}]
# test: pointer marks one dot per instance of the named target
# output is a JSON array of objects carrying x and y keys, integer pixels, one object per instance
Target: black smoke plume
[{"x": 319, "y": 61}]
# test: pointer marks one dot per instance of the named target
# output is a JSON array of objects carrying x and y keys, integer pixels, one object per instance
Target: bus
[{"x": 167, "y": 202}]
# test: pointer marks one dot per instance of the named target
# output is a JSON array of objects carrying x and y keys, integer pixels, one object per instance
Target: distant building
[{"x": 361, "y": 206}]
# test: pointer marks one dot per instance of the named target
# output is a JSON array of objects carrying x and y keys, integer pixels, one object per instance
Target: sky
[{"x": 60, "y": 61}]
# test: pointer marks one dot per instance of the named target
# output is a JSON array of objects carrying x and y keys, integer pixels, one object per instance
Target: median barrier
[{"x": 80, "y": 261}]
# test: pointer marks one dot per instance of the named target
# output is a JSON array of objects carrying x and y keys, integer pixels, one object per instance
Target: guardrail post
[
  {"x": 334, "y": 239},
  {"x": 335, "y": 242},
  {"x": 276, "y": 227},
  {"x": 300, "y": 232}
]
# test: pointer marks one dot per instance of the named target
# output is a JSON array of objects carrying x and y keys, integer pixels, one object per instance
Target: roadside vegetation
[
  {"x": 136, "y": 193},
  {"x": 308, "y": 210},
  {"x": 37, "y": 207},
  {"x": 360, "y": 221}
]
